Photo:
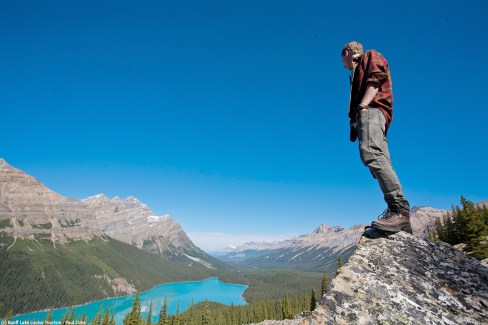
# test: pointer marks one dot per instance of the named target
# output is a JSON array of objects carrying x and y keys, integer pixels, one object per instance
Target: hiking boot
[{"x": 394, "y": 219}]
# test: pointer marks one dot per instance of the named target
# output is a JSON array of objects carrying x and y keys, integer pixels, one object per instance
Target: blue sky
[{"x": 232, "y": 115}]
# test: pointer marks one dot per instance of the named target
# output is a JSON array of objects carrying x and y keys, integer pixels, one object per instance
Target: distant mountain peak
[
  {"x": 423, "y": 208},
  {"x": 327, "y": 229},
  {"x": 4, "y": 165},
  {"x": 97, "y": 197},
  {"x": 132, "y": 199}
]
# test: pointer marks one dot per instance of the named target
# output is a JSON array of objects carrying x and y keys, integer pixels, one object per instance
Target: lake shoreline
[{"x": 74, "y": 307}]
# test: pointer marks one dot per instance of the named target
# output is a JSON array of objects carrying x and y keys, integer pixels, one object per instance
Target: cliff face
[{"x": 30, "y": 210}]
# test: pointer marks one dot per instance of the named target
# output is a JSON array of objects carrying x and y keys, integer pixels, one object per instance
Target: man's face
[{"x": 347, "y": 59}]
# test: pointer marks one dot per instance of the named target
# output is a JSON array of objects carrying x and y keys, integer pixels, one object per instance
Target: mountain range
[
  {"x": 30, "y": 210},
  {"x": 57, "y": 251},
  {"x": 319, "y": 250}
]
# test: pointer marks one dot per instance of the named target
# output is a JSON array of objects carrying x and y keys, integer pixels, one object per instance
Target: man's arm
[{"x": 371, "y": 91}]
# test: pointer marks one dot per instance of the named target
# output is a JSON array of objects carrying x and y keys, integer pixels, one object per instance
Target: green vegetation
[
  {"x": 267, "y": 285},
  {"x": 340, "y": 262},
  {"x": 69, "y": 223},
  {"x": 5, "y": 223},
  {"x": 313, "y": 300},
  {"x": 308, "y": 261},
  {"x": 46, "y": 276},
  {"x": 43, "y": 275},
  {"x": 45, "y": 238},
  {"x": 286, "y": 307},
  {"x": 135, "y": 315},
  {"x": 468, "y": 225},
  {"x": 325, "y": 283},
  {"x": 46, "y": 225},
  {"x": 210, "y": 313}
]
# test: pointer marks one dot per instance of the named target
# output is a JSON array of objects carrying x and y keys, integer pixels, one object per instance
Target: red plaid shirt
[{"x": 372, "y": 68}]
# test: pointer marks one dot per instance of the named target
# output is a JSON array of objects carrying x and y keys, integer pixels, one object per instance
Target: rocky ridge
[
  {"x": 402, "y": 279},
  {"x": 334, "y": 237},
  {"x": 30, "y": 210}
]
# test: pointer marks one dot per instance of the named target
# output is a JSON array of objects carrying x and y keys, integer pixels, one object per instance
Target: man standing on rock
[{"x": 370, "y": 115}]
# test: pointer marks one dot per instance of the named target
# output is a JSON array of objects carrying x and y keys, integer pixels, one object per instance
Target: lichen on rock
[{"x": 400, "y": 279}]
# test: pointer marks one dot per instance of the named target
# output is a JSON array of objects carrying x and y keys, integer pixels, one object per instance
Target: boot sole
[{"x": 397, "y": 228}]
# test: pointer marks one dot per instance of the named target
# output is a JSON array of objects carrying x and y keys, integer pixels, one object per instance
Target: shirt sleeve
[{"x": 376, "y": 69}]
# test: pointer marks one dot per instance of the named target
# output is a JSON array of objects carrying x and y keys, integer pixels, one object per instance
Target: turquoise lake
[{"x": 183, "y": 293}]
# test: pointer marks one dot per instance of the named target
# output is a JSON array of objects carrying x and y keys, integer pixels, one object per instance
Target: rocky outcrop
[
  {"x": 401, "y": 279},
  {"x": 119, "y": 285},
  {"x": 30, "y": 210}
]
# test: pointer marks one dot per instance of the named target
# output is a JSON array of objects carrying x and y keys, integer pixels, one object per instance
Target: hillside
[
  {"x": 57, "y": 251},
  {"x": 28, "y": 209},
  {"x": 38, "y": 274},
  {"x": 319, "y": 250}
]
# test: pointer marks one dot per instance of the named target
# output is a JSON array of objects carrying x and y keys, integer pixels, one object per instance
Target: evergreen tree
[
  {"x": 450, "y": 229},
  {"x": 259, "y": 313},
  {"x": 439, "y": 228},
  {"x": 325, "y": 283},
  {"x": 49, "y": 318},
  {"x": 112, "y": 319},
  {"x": 205, "y": 320},
  {"x": 221, "y": 319},
  {"x": 477, "y": 231},
  {"x": 134, "y": 317},
  {"x": 287, "y": 311},
  {"x": 71, "y": 316},
  {"x": 313, "y": 301},
  {"x": 98, "y": 317},
  {"x": 106, "y": 317},
  {"x": 462, "y": 219},
  {"x": 176, "y": 318},
  {"x": 190, "y": 317},
  {"x": 432, "y": 235},
  {"x": 149, "y": 316},
  {"x": 232, "y": 313},
  {"x": 468, "y": 225},
  {"x": 64, "y": 318},
  {"x": 484, "y": 213},
  {"x": 8, "y": 317},
  {"x": 240, "y": 316},
  {"x": 340, "y": 262},
  {"x": 163, "y": 314}
]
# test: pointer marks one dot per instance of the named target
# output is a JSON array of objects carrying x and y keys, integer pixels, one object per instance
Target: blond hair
[{"x": 353, "y": 46}]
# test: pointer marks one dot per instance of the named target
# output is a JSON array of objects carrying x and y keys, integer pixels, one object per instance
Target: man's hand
[
  {"x": 371, "y": 91},
  {"x": 361, "y": 107}
]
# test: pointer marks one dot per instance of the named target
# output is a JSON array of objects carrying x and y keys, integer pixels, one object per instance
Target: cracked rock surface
[{"x": 401, "y": 279}]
